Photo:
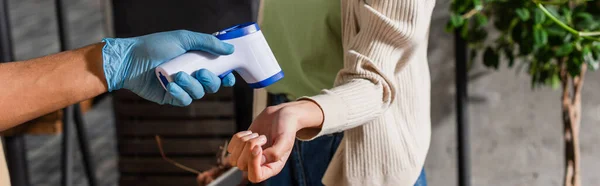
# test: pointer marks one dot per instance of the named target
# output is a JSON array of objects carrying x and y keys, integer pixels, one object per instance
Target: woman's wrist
[{"x": 309, "y": 114}]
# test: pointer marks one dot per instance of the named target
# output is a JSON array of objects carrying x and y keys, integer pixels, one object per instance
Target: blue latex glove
[{"x": 129, "y": 63}]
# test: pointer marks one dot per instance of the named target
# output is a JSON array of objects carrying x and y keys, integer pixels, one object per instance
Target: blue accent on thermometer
[
  {"x": 238, "y": 31},
  {"x": 163, "y": 79},
  {"x": 225, "y": 74},
  {"x": 268, "y": 81}
]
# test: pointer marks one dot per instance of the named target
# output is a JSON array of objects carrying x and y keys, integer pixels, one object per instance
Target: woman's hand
[{"x": 275, "y": 130}]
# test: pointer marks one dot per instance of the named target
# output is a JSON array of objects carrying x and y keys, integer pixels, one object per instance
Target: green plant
[{"x": 557, "y": 40}]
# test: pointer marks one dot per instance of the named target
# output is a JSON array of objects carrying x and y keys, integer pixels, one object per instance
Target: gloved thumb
[{"x": 204, "y": 42}]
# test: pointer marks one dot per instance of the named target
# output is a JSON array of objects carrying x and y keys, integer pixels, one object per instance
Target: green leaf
[
  {"x": 540, "y": 36},
  {"x": 477, "y": 36},
  {"x": 477, "y": 4},
  {"x": 584, "y": 16},
  {"x": 490, "y": 58},
  {"x": 554, "y": 12},
  {"x": 482, "y": 20},
  {"x": 566, "y": 13},
  {"x": 587, "y": 50},
  {"x": 574, "y": 66},
  {"x": 585, "y": 21},
  {"x": 456, "y": 20},
  {"x": 510, "y": 56},
  {"x": 460, "y": 6},
  {"x": 564, "y": 50},
  {"x": 464, "y": 31},
  {"x": 523, "y": 14},
  {"x": 594, "y": 64},
  {"x": 556, "y": 31},
  {"x": 533, "y": 69},
  {"x": 540, "y": 17},
  {"x": 590, "y": 57},
  {"x": 555, "y": 81}
]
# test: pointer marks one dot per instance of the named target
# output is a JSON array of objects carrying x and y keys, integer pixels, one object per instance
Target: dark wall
[{"x": 139, "y": 17}]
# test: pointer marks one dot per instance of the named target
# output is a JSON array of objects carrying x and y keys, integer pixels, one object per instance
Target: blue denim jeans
[{"x": 309, "y": 159}]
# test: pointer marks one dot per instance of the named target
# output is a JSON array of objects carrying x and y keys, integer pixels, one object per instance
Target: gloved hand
[{"x": 129, "y": 63}]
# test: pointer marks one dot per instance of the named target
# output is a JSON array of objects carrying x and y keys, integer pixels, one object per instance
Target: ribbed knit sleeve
[{"x": 376, "y": 36}]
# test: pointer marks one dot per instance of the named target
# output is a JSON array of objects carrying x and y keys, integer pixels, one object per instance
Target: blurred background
[{"x": 515, "y": 135}]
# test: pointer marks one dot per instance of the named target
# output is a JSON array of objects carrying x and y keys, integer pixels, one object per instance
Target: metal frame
[{"x": 462, "y": 117}]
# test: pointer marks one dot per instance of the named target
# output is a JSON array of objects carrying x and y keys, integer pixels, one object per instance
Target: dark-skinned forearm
[{"x": 33, "y": 88}]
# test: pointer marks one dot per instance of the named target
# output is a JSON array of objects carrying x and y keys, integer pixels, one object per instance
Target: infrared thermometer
[{"x": 252, "y": 59}]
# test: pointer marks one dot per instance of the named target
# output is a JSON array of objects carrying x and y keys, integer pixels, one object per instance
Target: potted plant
[{"x": 554, "y": 39}]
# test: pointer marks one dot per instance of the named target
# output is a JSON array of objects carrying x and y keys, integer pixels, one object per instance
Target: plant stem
[
  {"x": 589, "y": 33},
  {"x": 585, "y": 35},
  {"x": 560, "y": 23},
  {"x": 470, "y": 13}
]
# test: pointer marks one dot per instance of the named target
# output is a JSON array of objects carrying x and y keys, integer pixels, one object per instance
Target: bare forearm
[{"x": 35, "y": 87}]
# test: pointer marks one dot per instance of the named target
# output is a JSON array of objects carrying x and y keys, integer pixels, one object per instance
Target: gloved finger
[
  {"x": 209, "y": 80},
  {"x": 228, "y": 80},
  {"x": 177, "y": 96},
  {"x": 246, "y": 154},
  {"x": 204, "y": 42},
  {"x": 235, "y": 155},
  {"x": 190, "y": 85}
]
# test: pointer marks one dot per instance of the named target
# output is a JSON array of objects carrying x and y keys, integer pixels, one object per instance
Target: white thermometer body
[{"x": 252, "y": 59}]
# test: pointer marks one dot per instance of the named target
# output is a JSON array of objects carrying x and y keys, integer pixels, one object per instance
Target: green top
[{"x": 305, "y": 36}]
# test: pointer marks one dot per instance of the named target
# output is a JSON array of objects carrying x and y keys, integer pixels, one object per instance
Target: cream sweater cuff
[
  {"x": 344, "y": 107},
  {"x": 330, "y": 105}
]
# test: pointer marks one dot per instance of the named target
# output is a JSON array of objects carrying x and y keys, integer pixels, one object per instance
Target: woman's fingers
[
  {"x": 235, "y": 143},
  {"x": 237, "y": 152},
  {"x": 235, "y": 139},
  {"x": 245, "y": 156},
  {"x": 254, "y": 167},
  {"x": 258, "y": 169},
  {"x": 269, "y": 162}
]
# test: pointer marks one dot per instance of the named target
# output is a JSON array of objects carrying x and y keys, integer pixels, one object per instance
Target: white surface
[{"x": 232, "y": 176}]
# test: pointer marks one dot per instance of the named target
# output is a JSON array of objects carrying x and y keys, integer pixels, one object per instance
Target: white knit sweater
[{"x": 381, "y": 98}]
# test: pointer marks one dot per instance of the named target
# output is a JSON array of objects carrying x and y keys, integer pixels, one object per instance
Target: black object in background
[{"x": 462, "y": 116}]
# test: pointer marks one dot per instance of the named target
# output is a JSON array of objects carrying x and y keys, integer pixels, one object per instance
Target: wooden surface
[{"x": 259, "y": 102}]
